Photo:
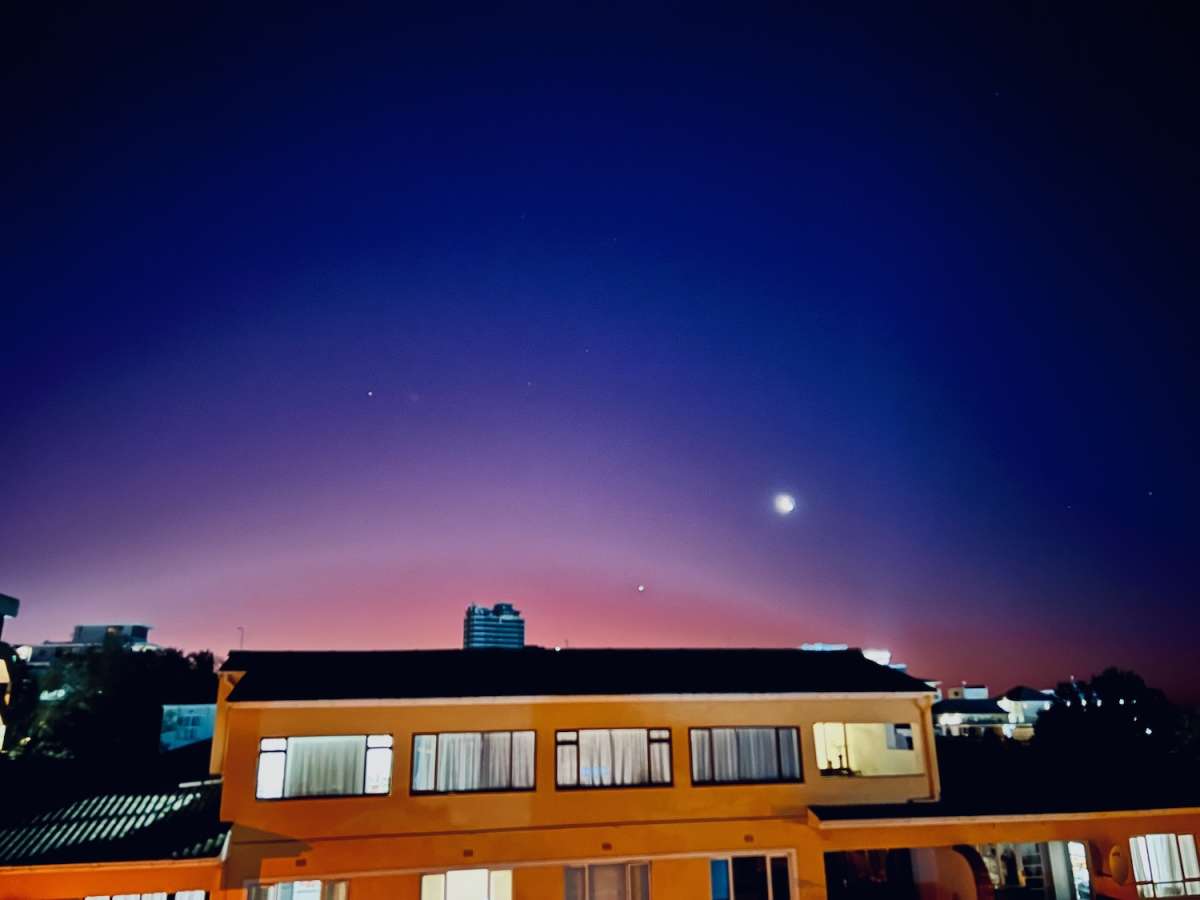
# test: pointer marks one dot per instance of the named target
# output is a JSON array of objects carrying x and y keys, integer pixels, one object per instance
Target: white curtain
[
  {"x": 660, "y": 762},
  {"x": 458, "y": 761},
  {"x": 725, "y": 754},
  {"x": 613, "y": 756},
  {"x": 606, "y": 882},
  {"x": 701, "y": 755},
  {"x": 495, "y": 762},
  {"x": 321, "y": 766},
  {"x": 424, "y": 752},
  {"x": 789, "y": 753},
  {"x": 757, "y": 759},
  {"x": 522, "y": 759}
]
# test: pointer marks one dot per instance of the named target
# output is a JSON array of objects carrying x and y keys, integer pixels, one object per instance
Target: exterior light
[{"x": 1149, "y": 731}]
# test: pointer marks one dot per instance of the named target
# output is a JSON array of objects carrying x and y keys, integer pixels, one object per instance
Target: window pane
[
  {"x": 305, "y": 890},
  {"x": 458, "y": 761},
  {"x": 270, "y": 775},
  {"x": 701, "y": 755},
  {"x": 789, "y": 754},
  {"x": 190, "y": 895},
  {"x": 1187, "y": 850},
  {"x": 424, "y": 748},
  {"x": 639, "y": 881},
  {"x": 756, "y": 754},
  {"x": 379, "y": 770},
  {"x": 832, "y": 752},
  {"x": 273, "y": 744},
  {"x": 781, "y": 884},
  {"x": 869, "y": 753},
  {"x": 495, "y": 763},
  {"x": 573, "y": 884},
  {"x": 501, "y": 885},
  {"x": 433, "y": 887},
  {"x": 379, "y": 740},
  {"x": 1164, "y": 859},
  {"x": 606, "y": 882},
  {"x": 568, "y": 761},
  {"x": 1174, "y": 889},
  {"x": 325, "y": 766},
  {"x": 1141, "y": 859},
  {"x": 719, "y": 879},
  {"x": 467, "y": 884},
  {"x": 660, "y": 762},
  {"x": 724, "y": 754},
  {"x": 750, "y": 878},
  {"x": 522, "y": 761}
]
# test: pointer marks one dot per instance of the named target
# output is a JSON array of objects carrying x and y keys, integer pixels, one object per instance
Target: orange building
[{"x": 613, "y": 775}]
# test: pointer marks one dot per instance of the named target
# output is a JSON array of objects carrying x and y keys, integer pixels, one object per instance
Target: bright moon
[{"x": 785, "y": 504}]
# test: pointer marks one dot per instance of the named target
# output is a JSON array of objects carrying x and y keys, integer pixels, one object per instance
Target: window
[
  {"x": 618, "y": 881},
  {"x": 300, "y": 890},
  {"x": 614, "y": 757},
  {"x": 468, "y": 884},
  {"x": 900, "y": 737},
  {"x": 325, "y": 766},
  {"x": 866, "y": 748},
  {"x": 156, "y": 895},
  {"x": 742, "y": 755},
  {"x": 1165, "y": 865},
  {"x": 473, "y": 761},
  {"x": 750, "y": 878},
  {"x": 1077, "y": 855}
]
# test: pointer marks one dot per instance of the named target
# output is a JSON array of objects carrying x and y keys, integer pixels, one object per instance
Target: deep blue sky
[{"x": 613, "y": 277}]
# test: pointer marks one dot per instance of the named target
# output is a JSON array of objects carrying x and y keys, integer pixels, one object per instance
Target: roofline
[
  {"x": 41, "y": 868},
  {"x": 575, "y": 698},
  {"x": 910, "y": 821}
]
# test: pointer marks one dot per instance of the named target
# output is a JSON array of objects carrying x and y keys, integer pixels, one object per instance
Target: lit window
[
  {"x": 733, "y": 755},
  {"x": 866, "y": 748},
  {"x": 156, "y": 895},
  {"x": 1080, "y": 875},
  {"x": 613, "y": 757},
  {"x": 1165, "y": 865},
  {"x": 618, "y": 881},
  {"x": 324, "y": 766},
  {"x": 757, "y": 877},
  {"x": 468, "y": 884},
  {"x": 473, "y": 761}
]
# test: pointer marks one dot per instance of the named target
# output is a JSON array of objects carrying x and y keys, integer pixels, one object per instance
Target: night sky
[{"x": 328, "y": 325}]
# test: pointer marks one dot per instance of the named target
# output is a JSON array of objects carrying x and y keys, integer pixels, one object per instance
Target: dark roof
[
  {"x": 969, "y": 707},
  {"x": 119, "y": 827},
  {"x": 1023, "y": 693},
  {"x": 985, "y": 778},
  {"x": 537, "y": 671}
]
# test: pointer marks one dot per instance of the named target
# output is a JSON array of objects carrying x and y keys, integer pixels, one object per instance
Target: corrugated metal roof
[{"x": 178, "y": 824}]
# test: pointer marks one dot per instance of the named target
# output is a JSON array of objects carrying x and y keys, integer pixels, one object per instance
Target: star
[
  {"x": 370, "y": 393},
  {"x": 641, "y": 589},
  {"x": 785, "y": 504}
]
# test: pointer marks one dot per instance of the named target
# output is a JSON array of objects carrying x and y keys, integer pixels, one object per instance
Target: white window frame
[
  {"x": 1148, "y": 887},
  {"x": 728, "y": 859},
  {"x": 378, "y": 754}
]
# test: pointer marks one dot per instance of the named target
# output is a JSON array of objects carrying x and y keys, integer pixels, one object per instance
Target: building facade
[
  {"x": 608, "y": 775},
  {"x": 498, "y": 626}
]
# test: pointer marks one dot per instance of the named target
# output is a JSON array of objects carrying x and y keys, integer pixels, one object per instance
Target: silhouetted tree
[{"x": 110, "y": 709}]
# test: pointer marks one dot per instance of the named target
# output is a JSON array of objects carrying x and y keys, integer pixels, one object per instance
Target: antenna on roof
[{"x": 241, "y": 637}]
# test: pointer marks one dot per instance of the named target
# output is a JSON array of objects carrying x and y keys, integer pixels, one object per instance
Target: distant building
[
  {"x": 1024, "y": 705},
  {"x": 966, "y": 691},
  {"x": 969, "y": 716},
  {"x": 499, "y": 626},
  {"x": 86, "y": 638},
  {"x": 184, "y": 724}
]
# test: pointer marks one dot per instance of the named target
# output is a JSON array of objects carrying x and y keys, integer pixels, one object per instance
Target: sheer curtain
[
  {"x": 523, "y": 756},
  {"x": 495, "y": 762},
  {"x": 458, "y": 761},
  {"x": 321, "y": 766},
  {"x": 725, "y": 754},
  {"x": 701, "y": 755},
  {"x": 613, "y": 756},
  {"x": 757, "y": 760}
]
